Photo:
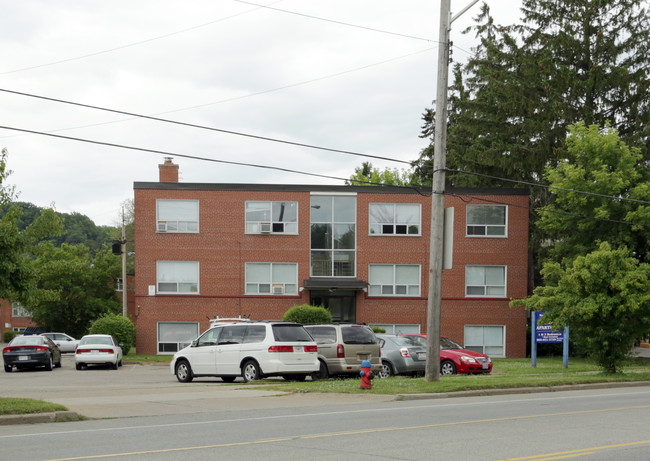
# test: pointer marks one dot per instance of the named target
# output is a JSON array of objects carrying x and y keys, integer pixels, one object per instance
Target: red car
[{"x": 454, "y": 359}]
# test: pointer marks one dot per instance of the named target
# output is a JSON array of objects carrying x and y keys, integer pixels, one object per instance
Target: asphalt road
[{"x": 153, "y": 417}]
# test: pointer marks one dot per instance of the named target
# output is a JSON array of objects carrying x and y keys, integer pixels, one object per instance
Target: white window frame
[
  {"x": 19, "y": 311},
  {"x": 270, "y": 226},
  {"x": 119, "y": 285},
  {"x": 485, "y": 285},
  {"x": 272, "y": 286},
  {"x": 169, "y": 225},
  {"x": 179, "y": 281},
  {"x": 391, "y": 289},
  {"x": 487, "y": 228},
  {"x": 393, "y": 223},
  {"x": 179, "y": 344},
  {"x": 483, "y": 348}
]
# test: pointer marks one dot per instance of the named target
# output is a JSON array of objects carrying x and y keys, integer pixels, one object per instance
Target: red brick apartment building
[{"x": 206, "y": 250}]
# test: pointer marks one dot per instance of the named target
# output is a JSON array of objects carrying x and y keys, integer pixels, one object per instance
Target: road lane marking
[
  {"x": 576, "y": 453},
  {"x": 392, "y": 429}
]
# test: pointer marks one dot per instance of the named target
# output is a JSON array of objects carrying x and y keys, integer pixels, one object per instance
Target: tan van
[{"x": 342, "y": 347}]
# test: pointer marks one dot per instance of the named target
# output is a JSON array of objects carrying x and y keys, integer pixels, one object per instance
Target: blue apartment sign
[{"x": 544, "y": 332}]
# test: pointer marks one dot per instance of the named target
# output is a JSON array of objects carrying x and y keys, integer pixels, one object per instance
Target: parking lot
[{"x": 144, "y": 390}]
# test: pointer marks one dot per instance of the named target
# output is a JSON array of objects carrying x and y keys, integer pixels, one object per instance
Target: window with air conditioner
[
  {"x": 271, "y": 278},
  {"x": 271, "y": 217},
  {"x": 177, "y": 216}
]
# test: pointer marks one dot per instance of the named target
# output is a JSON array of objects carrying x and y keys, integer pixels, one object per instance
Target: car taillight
[
  {"x": 6, "y": 350},
  {"x": 103, "y": 351},
  {"x": 41, "y": 348},
  {"x": 281, "y": 349},
  {"x": 311, "y": 348},
  {"x": 404, "y": 352},
  {"x": 340, "y": 351}
]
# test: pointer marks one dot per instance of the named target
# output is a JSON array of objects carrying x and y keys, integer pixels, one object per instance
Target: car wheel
[
  {"x": 251, "y": 371},
  {"x": 78, "y": 366},
  {"x": 114, "y": 366},
  {"x": 386, "y": 370},
  {"x": 322, "y": 373},
  {"x": 119, "y": 364},
  {"x": 228, "y": 379},
  {"x": 184, "y": 371},
  {"x": 48, "y": 365},
  {"x": 8, "y": 368},
  {"x": 447, "y": 367}
]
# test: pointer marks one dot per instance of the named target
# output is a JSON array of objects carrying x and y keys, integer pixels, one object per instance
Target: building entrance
[{"x": 341, "y": 303}]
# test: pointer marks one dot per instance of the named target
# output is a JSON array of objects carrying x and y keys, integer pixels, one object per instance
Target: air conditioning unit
[
  {"x": 265, "y": 227},
  {"x": 278, "y": 289},
  {"x": 162, "y": 226}
]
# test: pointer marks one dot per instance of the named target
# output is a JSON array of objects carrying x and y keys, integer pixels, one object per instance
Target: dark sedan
[{"x": 31, "y": 352}]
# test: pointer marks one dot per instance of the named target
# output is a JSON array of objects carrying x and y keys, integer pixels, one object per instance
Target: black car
[{"x": 31, "y": 352}]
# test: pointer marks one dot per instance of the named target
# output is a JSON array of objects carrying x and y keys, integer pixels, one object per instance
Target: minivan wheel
[
  {"x": 447, "y": 367},
  {"x": 386, "y": 370},
  {"x": 322, "y": 372},
  {"x": 184, "y": 371},
  {"x": 250, "y": 371}
]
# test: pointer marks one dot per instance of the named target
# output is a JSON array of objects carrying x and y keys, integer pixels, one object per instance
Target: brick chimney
[{"x": 168, "y": 171}]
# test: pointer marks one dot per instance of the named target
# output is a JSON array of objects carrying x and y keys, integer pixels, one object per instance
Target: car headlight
[{"x": 468, "y": 359}]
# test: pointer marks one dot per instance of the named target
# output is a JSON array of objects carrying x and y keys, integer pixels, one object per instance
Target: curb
[
  {"x": 520, "y": 390},
  {"x": 36, "y": 418}
]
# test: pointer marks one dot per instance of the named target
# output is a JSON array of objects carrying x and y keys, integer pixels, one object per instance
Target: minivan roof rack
[{"x": 218, "y": 319}]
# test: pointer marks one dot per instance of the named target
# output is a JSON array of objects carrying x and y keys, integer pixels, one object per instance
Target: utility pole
[
  {"x": 124, "y": 284},
  {"x": 434, "y": 301}
]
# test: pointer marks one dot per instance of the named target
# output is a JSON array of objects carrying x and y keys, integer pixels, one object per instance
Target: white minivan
[{"x": 252, "y": 350}]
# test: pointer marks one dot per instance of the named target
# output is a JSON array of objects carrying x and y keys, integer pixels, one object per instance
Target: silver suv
[
  {"x": 252, "y": 350},
  {"x": 342, "y": 348}
]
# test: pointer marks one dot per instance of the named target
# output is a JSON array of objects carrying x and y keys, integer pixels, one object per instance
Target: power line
[
  {"x": 336, "y": 22},
  {"x": 192, "y": 125},
  {"x": 129, "y": 45},
  {"x": 235, "y": 98}
]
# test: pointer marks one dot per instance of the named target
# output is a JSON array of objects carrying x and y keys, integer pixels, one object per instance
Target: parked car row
[
  {"x": 34, "y": 351},
  {"x": 231, "y": 348}
]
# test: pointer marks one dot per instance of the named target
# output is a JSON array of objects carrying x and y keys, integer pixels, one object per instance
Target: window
[
  {"x": 119, "y": 286},
  {"x": 333, "y": 235},
  {"x": 394, "y": 219},
  {"x": 485, "y": 281},
  {"x": 397, "y": 328},
  {"x": 17, "y": 310},
  {"x": 174, "y": 336},
  {"x": 177, "y": 216},
  {"x": 271, "y": 217},
  {"x": 487, "y": 339},
  {"x": 486, "y": 220},
  {"x": 271, "y": 278},
  {"x": 178, "y": 277},
  {"x": 394, "y": 280}
]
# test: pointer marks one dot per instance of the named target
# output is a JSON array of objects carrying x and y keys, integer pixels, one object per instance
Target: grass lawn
[{"x": 11, "y": 406}]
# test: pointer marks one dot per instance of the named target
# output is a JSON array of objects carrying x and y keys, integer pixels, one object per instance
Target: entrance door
[{"x": 341, "y": 303}]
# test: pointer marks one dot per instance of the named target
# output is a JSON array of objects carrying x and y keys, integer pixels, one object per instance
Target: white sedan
[
  {"x": 65, "y": 342},
  {"x": 98, "y": 350}
]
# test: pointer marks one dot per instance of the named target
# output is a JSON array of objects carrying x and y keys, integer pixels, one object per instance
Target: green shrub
[
  {"x": 8, "y": 335},
  {"x": 378, "y": 329},
  {"x": 307, "y": 314},
  {"x": 120, "y": 327}
]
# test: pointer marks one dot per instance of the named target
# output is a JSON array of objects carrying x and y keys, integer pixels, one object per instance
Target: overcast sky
[{"x": 354, "y": 75}]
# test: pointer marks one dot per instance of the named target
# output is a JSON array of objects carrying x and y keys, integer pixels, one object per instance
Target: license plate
[
  {"x": 422, "y": 355},
  {"x": 485, "y": 366},
  {"x": 23, "y": 357}
]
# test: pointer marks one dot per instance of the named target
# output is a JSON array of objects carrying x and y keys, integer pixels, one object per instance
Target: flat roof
[{"x": 322, "y": 188}]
